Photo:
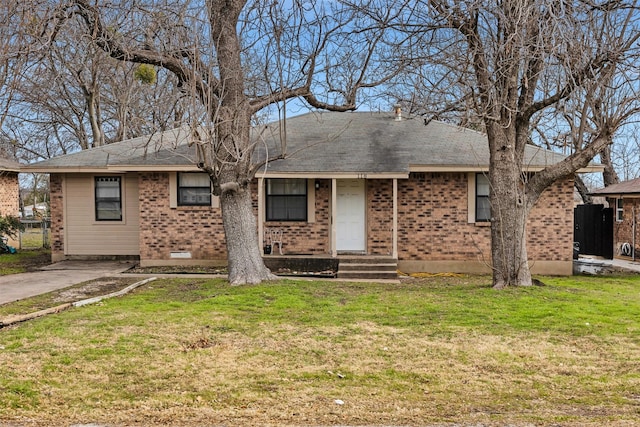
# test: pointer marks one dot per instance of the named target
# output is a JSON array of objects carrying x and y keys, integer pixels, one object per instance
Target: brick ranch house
[
  {"x": 357, "y": 183},
  {"x": 624, "y": 199}
]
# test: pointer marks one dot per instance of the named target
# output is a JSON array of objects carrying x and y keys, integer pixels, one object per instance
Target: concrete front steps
[{"x": 367, "y": 268}]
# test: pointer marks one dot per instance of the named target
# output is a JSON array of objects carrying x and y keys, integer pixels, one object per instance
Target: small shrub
[{"x": 10, "y": 226}]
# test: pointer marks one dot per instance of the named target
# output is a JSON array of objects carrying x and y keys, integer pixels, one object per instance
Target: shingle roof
[
  {"x": 626, "y": 187},
  {"x": 166, "y": 148},
  {"x": 375, "y": 142},
  {"x": 328, "y": 142}
]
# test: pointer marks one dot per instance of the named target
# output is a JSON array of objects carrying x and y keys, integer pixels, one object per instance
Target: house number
[{"x": 362, "y": 176}]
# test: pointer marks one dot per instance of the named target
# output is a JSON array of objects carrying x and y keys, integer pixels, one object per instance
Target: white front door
[{"x": 350, "y": 212}]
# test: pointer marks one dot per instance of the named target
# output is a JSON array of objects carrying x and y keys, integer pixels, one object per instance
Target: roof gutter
[
  {"x": 478, "y": 168},
  {"x": 331, "y": 175}
]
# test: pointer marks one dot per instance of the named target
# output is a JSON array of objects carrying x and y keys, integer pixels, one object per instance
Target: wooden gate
[{"x": 593, "y": 230}]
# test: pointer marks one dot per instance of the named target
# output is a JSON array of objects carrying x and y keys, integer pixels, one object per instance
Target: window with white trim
[
  {"x": 483, "y": 207},
  {"x": 286, "y": 199},
  {"x": 108, "y": 198},
  {"x": 194, "y": 189},
  {"x": 619, "y": 210}
]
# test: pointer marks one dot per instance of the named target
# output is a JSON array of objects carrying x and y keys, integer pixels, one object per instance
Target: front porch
[
  {"x": 346, "y": 266},
  {"x": 329, "y": 217}
]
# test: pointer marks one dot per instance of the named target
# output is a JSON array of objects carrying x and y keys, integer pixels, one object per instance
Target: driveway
[{"x": 60, "y": 275}]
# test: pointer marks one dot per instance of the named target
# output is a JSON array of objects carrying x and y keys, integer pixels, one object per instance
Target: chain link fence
[{"x": 36, "y": 234}]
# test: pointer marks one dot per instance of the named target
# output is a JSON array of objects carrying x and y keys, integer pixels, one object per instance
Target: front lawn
[
  {"x": 194, "y": 352},
  {"x": 24, "y": 260}
]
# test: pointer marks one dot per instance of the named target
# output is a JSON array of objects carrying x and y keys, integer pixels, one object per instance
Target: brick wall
[
  {"x": 9, "y": 193},
  {"x": 433, "y": 221},
  {"x": 623, "y": 230},
  {"x": 379, "y": 204},
  {"x": 307, "y": 237},
  {"x": 194, "y": 229},
  {"x": 57, "y": 209},
  {"x": 550, "y": 231}
]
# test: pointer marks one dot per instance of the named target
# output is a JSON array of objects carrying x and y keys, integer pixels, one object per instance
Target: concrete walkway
[
  {"x": 596, "y": 265},
  {"x": 61, "y": 275},
  {"x": 627, "y": 265}
]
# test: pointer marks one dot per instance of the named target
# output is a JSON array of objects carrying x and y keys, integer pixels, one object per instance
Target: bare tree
[
  {"x": 519, "y": 63},
  {"x": 69, "y": 98},
  {"x": 14, "y": 51},
  {"x": 233, "y": 59},
  {"x": 626, "y": 152}
]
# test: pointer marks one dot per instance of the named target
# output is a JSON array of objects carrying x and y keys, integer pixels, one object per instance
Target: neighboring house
[
  {"x": 37, "y": 211},
  {"x": 354, "y": 183},
  {"x": 9, "y": 188},
  {"x": 624, "y": 199}
]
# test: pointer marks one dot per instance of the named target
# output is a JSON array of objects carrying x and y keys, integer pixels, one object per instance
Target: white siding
[{"x": 86, "y": 236}]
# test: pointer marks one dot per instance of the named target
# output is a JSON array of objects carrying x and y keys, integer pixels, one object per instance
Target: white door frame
[{"x": 359, "y": 243}]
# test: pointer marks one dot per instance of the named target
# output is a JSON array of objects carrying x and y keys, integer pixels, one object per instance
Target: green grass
[
  {"x": 33, "y": 238},
  {"x": 23, "y": 260},
  {"x": 580, "y": 306},
  {"x": 195, "y": 351}
]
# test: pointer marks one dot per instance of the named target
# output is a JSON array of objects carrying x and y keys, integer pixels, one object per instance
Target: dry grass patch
[
  {"x": 90, "y": 289},
  {"x": 280, "y": 354}
]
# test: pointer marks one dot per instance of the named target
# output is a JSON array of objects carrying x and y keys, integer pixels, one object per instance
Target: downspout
[{"x": 633, "y": 234}]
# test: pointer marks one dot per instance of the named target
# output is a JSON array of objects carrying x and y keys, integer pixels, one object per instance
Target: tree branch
[{"x": 106, "y": 40}]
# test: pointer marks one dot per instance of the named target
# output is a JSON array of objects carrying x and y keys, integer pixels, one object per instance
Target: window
[
  {"x": 108, "y": 198},
  {"x": 619, "y": 210},
  {"x": 286, "y": 200},
  {"x": 483, "y": 208},
  {"x": 194, "y": 189}
]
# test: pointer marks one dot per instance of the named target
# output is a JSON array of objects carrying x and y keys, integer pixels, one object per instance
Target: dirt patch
[
  {"x": 91, "y": 289},
  {"x": 34, "y": 263},
  {"x": 182, "y": 269},
  {"x": 178, "y": 269}
]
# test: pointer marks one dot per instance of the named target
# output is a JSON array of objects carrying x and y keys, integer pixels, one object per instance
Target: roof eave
[
  {"x": 591, "y": 169},
  {"x": 481, "y": 168},
  {"x": 617, "y": 195},
  {"x": 331, "y": 175},
  {"x": 65, "y": 169},
  {"x": 153, "y": 168},
  {"x": 109, "y": 169}
]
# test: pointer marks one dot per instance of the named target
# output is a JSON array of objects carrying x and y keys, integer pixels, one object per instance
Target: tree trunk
[
  {"x": 509, "y": 211},
  {"x": 609, "y": 175},
  {"x": 582, "y": 190},
  {"x": 245, "y": 262}
]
